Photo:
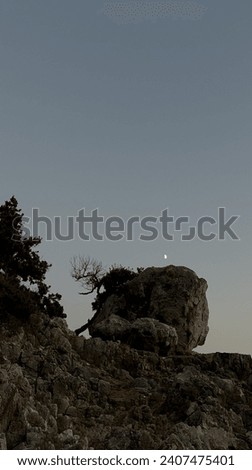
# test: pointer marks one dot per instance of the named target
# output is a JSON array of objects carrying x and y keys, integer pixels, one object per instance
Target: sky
[{"x": 132, "y": 108}]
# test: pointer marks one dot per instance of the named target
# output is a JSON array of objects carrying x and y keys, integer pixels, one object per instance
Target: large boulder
[
  {"x": 174, "y": 296},
  {"x": 144, "y": 333},
  {"x": 152, "y": 335}
]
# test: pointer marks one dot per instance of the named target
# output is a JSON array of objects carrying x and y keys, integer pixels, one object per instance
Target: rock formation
[
  {"x": 161, "y": 308},
  {"x": 61, "y": 391}
]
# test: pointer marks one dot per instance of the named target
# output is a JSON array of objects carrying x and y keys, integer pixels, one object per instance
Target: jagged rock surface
[
  {"x": 144, "y": 333},
  {"x": 171, "y": 295},
  {"x": 60, "y": 391}
]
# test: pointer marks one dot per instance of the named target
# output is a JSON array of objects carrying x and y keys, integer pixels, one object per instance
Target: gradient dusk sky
[{"x": 133, "y": 107}]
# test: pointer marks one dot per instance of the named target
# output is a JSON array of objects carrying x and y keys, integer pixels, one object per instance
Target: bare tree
[
  {"x": 88, "y": 272},
  {"x": 92, "y": 277}
]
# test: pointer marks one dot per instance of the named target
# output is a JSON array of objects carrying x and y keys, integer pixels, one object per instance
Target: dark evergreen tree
[
  {"x": 22, "y": 272},
  {"x": 17, "y": 257}
]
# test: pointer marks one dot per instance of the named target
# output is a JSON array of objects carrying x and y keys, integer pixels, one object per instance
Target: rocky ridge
[{"x": 61, "y": 391}]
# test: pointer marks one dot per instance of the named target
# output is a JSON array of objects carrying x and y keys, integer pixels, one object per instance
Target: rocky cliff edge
[{"x": 60, "y": 391}]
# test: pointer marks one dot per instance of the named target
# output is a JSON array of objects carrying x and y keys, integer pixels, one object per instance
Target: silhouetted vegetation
[
  {"x": 93, "y": 277},
  {"x": 111, "y": 283},
  {"x": 22, "y": 273}
]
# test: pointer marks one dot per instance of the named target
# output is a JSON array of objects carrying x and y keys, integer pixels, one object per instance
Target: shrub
[{"x": 92, "y": 277}]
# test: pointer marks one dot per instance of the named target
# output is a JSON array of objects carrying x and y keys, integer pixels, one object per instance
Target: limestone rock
[
  {"x": 3, "y": 444},
  {"x": 173, "y": 295},
  {"x": 61, "y": 392},
  {"x": 151, "y": 335},
  {"x": 113, "y": 327}
]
